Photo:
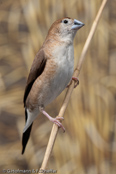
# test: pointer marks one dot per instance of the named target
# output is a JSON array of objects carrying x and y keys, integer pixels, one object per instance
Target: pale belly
[
  {"x": 57, "y": 86},
  {"x": 62, "y": 77}
]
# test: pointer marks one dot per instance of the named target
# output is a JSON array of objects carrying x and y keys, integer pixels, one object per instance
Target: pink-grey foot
[
  {"x": 76, "y": 80},
  {"x": 54, "y": 120}
]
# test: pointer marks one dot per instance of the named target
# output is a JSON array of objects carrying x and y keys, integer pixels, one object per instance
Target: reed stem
[{"x": 55, "y": 128}]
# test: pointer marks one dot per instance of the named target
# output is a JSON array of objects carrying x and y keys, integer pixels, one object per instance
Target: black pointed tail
[{"x": 26, "y": 134}]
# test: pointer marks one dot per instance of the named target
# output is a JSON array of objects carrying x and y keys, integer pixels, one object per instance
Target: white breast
[
  {"x": 64, "y": 58},
  {"x": 65, "y": 62}
]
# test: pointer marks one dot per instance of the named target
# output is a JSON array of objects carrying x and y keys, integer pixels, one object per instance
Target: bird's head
[{"x": 65, "y": 29}]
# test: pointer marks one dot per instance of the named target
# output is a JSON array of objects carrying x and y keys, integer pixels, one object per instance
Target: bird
[{"x": 51, "y": 72}]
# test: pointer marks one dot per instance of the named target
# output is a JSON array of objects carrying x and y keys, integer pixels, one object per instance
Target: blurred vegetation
[{"x": 89, "y": 144}]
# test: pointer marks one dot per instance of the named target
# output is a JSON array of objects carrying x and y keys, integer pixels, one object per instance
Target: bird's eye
[{"x": 65, "y": 21}]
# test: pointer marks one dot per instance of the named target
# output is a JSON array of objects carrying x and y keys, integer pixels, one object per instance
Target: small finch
[{"x": 50, "y": 73}]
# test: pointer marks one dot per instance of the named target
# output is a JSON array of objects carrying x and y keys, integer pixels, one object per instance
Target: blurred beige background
[{"x": 89, "y": 144}]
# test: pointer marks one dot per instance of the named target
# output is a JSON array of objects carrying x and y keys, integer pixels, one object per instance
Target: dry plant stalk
[{"x": 70, "y": 89}]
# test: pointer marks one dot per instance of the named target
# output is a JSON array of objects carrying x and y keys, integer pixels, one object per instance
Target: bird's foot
[
  {"x": 54, "y": 120},
  {"x": 76, "y": 80},
  {"x": 57, "y": 122}
]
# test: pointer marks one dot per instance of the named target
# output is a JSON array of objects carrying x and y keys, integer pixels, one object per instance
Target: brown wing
[{"x": 36, "y": 70}]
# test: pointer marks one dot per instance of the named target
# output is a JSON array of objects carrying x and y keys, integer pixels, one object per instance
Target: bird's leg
[
  {"x": 76, "y": 82},
  {"x": 54, "y": 120}
]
